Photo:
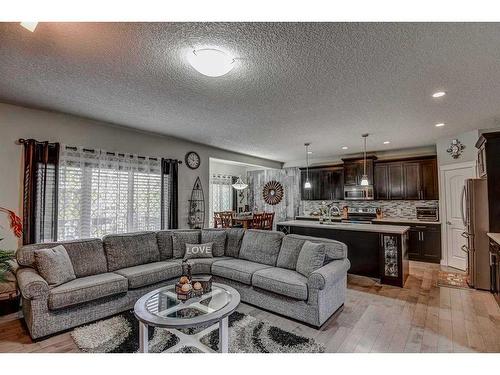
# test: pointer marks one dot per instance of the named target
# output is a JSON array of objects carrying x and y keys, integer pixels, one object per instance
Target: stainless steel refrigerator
[{"x": 475, "y": 218}]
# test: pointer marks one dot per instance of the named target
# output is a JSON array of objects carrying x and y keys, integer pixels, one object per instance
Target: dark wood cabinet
[
  {"x": 326, "y": 184},
  {"x": 406, "y": 179},
  {"x": 411, "y": 180},
  {"x": 429, "y": 180},
  {"x": 495, "y": 270},
  {"x": 424, "y": 241},
  {"x": 354, "y": 170}
]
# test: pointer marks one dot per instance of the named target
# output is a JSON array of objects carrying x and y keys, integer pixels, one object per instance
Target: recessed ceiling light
[
  {"x": 439, "y": 125},
  {"x": 31, "y": 26},
  {"x": 439, "y": 94},
  {"x": 309, "y": 152},
  {"x": 344, "y": 147},
  {"x": 387, "y": 142},
  {"x": 211, "y": 62}
]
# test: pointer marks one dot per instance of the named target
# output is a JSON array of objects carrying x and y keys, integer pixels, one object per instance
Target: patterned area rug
[
  {"x": 120, "y": 334},
  {"x": 452, "y": 280}
]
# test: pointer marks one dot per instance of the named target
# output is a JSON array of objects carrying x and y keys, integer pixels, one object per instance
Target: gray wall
[{"x": 19, "y": 122}]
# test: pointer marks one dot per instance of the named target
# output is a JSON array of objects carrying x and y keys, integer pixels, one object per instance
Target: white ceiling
[{"x": 325, "y": 83}]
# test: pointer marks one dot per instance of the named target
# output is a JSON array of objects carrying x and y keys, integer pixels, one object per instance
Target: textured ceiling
[{"x": 325, "y": 83}]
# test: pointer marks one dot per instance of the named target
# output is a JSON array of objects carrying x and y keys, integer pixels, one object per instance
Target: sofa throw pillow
[
  {"x": 180, "y": 239},
  {"x": 218, "y": 237},
  {"x": 54, "y": 265},
  {"x": 311, "y": 257},
  {"x": 202, "y": 250}
]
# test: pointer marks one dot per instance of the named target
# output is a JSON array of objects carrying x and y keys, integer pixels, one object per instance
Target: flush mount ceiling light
[
  {"x": 439, "y": 125},
  {"x": 387, "y": 142},
  {"x": 439, "y": 94},
  {"x": 31, "y": 26},
  {"x": 344, "y": 147},
  {"x": 210, "y": 61}
]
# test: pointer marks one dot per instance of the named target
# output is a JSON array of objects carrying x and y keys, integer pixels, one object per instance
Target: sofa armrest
[
  {"x": 328, "y": 274},
  {"x": 31, "y": 284}
]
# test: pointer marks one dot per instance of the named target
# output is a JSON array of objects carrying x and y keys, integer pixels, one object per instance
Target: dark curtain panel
[
  {"x": 41, "y": 161},
  {"x": 169, "y": 194},
  {"x": 235, "y": 194}
]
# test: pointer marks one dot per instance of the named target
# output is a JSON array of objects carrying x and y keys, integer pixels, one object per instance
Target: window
[
  {"x": 221, "y": 194},
  {"x": 101, "y": 193}
]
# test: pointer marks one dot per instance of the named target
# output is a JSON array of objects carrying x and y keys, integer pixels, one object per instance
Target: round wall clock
[
  {"x": 272, "y": 192},
  {"x": 193, "y": 160}
]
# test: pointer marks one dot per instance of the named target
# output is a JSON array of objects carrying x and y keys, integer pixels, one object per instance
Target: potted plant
[{"x": 7, "y": 256}]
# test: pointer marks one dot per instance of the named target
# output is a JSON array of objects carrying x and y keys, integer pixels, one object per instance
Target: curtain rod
[{"x": 22, "y": 141}]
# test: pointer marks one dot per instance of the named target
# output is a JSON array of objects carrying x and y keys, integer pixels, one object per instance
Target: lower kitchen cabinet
[{"x": 424, "y": 242}]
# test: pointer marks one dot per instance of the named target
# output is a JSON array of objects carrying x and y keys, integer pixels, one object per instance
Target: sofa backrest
[
  {"x": 261, "y": 246},
  {"x": 130, "y": 249},
  {"x": 87, "y": 255},
  {"x": 334, "y": 249}
]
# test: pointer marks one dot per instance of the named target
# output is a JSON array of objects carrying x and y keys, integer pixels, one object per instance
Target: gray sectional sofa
[{"x": 112, "y": 273}]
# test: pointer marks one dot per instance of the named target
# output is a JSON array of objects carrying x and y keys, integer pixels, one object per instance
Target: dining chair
[
  {"x": 268, "y": 219},
  {"x": 257, "y": 221}
]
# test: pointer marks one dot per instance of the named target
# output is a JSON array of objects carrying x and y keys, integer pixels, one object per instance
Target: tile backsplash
[{"x": 394, "y": 208}]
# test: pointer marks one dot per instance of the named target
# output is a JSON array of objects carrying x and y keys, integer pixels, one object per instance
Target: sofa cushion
[
  {"x": 261, "y": 246},
  {"x": 311, "y": 258},
  {"x": 218, "y": 237},
  {"x": 236, "y": 269},
  {"x": 333, "y": 249},
  {"x": 289, "y": 252},
  {"x": 165, "y": 246},
  {"x": 202, "y": 250},
  {"x": 233, "y": 243},
  {"x": 86, "y": 289},
  {"x": 130, "y": 249},
  {"x": 282, "y": 281},
  {"x": 151, "y": 273},
  {"x": 180, "y": 238},
  {"x": 87, "y": 255},
  {"x": 201, "y": 265},
  {"x": 54, "y": 265}
]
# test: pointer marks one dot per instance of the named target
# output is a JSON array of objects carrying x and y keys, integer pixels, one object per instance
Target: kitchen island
[{"x": 378, "y": 251}]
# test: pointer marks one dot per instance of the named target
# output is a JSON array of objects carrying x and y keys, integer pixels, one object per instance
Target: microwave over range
[{"x": 358, "y": 192}]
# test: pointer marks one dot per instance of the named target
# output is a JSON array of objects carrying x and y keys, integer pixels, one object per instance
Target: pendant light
[
  {"x": 364, "y": 178},
  {"x": 239, "y": 184},
  {"x": 307, "y": 184}
]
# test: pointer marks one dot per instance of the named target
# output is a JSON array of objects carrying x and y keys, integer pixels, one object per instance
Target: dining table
[{"x": 244, "y": 220}]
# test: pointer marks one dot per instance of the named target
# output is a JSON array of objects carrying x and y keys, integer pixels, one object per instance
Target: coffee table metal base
[{"x": 189, "y": 340}]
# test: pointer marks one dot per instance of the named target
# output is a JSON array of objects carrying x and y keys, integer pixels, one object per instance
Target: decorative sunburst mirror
[{"x": 272, "y": 192}]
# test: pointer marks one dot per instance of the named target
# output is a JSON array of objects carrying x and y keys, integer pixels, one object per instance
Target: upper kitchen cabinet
[
  {"x": 407, "y": 179},
  {"x": 354, "y": 169},
  {"x": 388, "y": 181},
  {"x": 326, "y": 183}
]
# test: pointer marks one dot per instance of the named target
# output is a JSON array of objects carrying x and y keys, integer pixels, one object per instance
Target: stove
[{"x": 363, "y": 215}]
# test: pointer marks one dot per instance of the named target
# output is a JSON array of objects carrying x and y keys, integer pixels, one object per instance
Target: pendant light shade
[
  {"x": 364, "y": 178},
  {"x": 307, "y": 184},
  {"x": 239, "y": 184}
]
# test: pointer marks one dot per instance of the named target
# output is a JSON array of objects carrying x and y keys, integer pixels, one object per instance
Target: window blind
[{"x": 102, "y": 193}]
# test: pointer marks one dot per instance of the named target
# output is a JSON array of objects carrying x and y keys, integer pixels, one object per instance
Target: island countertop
[{"x": 379, "y": 228}]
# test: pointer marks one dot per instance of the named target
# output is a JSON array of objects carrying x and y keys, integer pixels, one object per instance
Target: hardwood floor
[{"x": 421, "y": 317}]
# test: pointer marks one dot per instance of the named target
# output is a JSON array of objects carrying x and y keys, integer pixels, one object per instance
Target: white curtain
[
  {"x": 102, "y": 193},
  {"x": 221, "y": 194}
]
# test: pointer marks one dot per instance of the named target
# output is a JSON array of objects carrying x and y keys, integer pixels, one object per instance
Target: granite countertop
[
  {"x": 495, "y": 237},
  {"x": 402, "y": 220},
  {"x": 405, "y": 220},
  {"x": 393, "y": 229}
]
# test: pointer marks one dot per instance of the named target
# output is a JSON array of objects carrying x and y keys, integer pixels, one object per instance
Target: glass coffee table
[{"x": 161, "y": 308}]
